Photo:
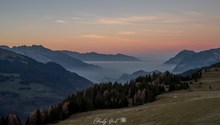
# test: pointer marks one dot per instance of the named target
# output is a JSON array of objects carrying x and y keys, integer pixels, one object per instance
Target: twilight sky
[{"x": 135, "y": 27}]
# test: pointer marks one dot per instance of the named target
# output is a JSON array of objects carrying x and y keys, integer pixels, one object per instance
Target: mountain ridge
[
  {"x": 44, "y": 55},
  {"x": 27, "y": 84},
  {"x": 195, "y": 60},
  {"x": 180, "y": 56},
  {"x": 93, "y": 56}
]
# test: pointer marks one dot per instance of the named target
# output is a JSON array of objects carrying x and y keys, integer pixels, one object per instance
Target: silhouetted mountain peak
[
  {"x": 185, "y": 52},
  {"x": 28, "y": 48},
  {"x": 180, "y": 56},
  {"x": 93, "y": 53},
  {"x": 187, "y": 60},
  {"x": 38, "y": 47}
]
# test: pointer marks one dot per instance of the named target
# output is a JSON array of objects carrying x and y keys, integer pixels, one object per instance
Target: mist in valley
[{"x": 112, "y": 70}]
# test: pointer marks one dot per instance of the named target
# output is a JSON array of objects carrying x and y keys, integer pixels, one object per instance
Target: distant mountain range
[
  {"x": 186, "y": 60},
  {"x": 99, "y": 57},
  {"x": 127, "y": 77},
  {"x": 26, "y": 84},
  {"x": 72, "y": 61},
  {"x": 45, "y": 55}
]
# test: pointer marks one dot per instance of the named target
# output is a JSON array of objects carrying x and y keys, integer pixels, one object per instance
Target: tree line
[{"x": 139, "y": 91}]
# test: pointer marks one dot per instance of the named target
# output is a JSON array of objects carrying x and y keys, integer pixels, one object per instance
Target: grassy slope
[{"x": 199, "y": 107}]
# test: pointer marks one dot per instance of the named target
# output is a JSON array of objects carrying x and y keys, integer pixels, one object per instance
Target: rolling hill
[
  {"x": 26, "y": 84},
  {"x": 199, "y": 106},
  {"x": 182, "y": 108}
]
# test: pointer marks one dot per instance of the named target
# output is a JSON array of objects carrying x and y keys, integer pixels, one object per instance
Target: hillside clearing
[
  {"x": 199, "y": 107},
  {"x": 183, "y": 108}
]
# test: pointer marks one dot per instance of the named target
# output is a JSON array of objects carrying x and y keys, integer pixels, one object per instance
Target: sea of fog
[
  {"x": 121, "y": 67},
  {"x": 113, "y": 70}
]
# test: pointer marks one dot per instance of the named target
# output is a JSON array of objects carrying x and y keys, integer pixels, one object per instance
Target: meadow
[{"x": 199, "y": 106}]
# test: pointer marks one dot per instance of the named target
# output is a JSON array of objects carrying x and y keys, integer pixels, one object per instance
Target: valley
[{"x": 109, "y": 62}]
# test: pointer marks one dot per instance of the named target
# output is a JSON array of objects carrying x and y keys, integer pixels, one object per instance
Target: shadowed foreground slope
[{"x": 26, "y": 84}]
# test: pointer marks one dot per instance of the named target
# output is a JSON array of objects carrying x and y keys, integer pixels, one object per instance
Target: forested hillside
[{"x": 110, "y": 96}]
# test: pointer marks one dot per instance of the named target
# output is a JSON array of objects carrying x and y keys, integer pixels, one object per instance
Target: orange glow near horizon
[
  {"x": 137, "y": 29},
  {"x": 113, "y": 46},
  {"x": 135, "y": 42}
]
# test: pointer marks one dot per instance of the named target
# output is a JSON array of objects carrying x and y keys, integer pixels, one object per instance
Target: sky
[{"x": 135, "y": 27}]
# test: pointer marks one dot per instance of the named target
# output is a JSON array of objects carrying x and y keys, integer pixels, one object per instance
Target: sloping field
[
  {"x": 209, "y": 79},
  {"x": 201, "y": 106}
]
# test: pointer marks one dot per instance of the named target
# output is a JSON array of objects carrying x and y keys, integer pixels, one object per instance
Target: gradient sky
[{"x": 136, "y": 27}]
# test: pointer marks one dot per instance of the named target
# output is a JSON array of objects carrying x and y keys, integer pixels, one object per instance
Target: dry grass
[
  {"x": 211, "y": 78},
  {"x": 199, "y": 107}
]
